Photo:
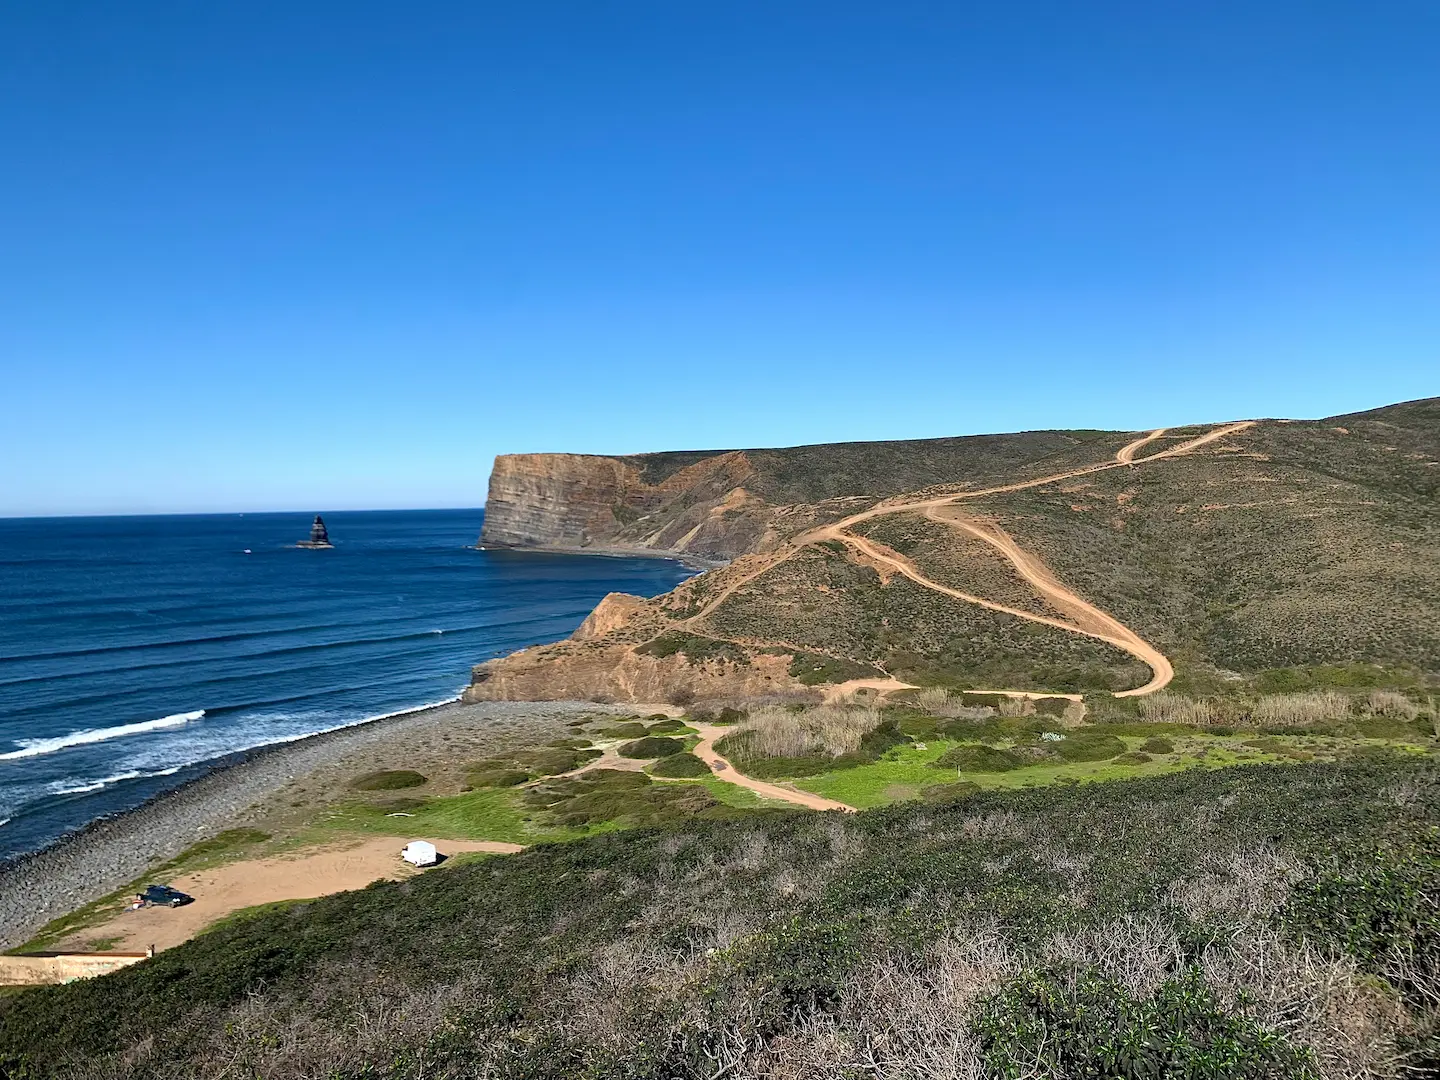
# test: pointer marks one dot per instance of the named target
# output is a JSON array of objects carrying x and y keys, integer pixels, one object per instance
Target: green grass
[
  {"x": 906, "y": 772},
  {"x": 497, "y": 814},
  {"x": 730, "y": 794}
]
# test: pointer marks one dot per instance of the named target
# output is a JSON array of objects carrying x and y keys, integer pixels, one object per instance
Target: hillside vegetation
[
  {"x": 1267, "y": 921},
  {"x": 1043, "y": 561}
]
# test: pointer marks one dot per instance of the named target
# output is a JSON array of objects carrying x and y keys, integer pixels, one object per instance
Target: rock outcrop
[
  {"x": 612, "y": 613},
  {"x": 617, "y": 672},
  {"x": 319, "y": 535}
]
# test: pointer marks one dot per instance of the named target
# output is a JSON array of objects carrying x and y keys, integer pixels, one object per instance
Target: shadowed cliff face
[{"x": 584, "y": 501}]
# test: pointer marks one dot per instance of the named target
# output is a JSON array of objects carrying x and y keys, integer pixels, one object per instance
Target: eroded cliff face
[
  {"x": 584, "y": 501},
  {"x": 617, "y": 672}
]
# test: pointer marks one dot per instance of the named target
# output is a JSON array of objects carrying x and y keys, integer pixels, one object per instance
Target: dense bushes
[
  {"x": 925, "y": 940},
  {"x": 1084, "y": 1026}
]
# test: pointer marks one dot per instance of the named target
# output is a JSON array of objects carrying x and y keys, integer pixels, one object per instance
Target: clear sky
[{"x": 338, "y": 255}]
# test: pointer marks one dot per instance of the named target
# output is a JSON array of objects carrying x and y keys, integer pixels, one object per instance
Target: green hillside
[{"x": 1268, "y": 921}]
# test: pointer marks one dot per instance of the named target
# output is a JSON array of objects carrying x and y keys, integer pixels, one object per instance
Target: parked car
[{"x": 164, "y": 896}]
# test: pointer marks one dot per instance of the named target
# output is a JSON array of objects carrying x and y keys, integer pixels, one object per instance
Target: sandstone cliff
[{"x": 579, "y": 501}]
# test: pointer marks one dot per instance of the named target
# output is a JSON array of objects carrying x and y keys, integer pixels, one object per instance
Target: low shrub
[
  {"x": 1157, "y": 746},
  {"x": 695, "y": 648},
  {"x": 1051, "y": 706},
  {"x": 1307, "y": 707},
  {"x": 630, "y": 798},
  {"x": 571, "y": 743},
  {"x": 553, "y": 761},
  {"x": 401, "y": 805},
  {"x": 652, "y": 746},
  {"x": 1088, "y": 746},
  {"x": 989, "y": 700},
  {"x": 1061, "y": 1024},
  {"x": 680, "y": 766},
  {"x": 778, "y": 742},
  {"x": 498, "y": 778},
  {"x": 1383, "y": 908},
  {"x": 387, "y": 780},
  {"x": 981, "y": 759},
  {"x": 1390, "y": 703},
  {"x": 664, "y": 725},
  {"x": 812, "y": 669},
  {"x": 944, "y": 793},
  {"x": 633, "y": 729}
]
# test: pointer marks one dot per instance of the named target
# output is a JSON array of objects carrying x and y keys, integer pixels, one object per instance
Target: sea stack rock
[{"x": 319, "y": 538}]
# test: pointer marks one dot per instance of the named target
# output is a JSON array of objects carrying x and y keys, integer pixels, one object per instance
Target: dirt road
[
  {"x": 706, "y": 752},
  {"x": 1086, "y": 618}
]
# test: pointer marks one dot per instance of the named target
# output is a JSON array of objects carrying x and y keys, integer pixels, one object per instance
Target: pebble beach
[{"x": 250, "y": 788}]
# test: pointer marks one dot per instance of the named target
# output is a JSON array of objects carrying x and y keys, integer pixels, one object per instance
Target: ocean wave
[
  {"x": 96, "y": 785},
  {"x": 37, "y": 747}
]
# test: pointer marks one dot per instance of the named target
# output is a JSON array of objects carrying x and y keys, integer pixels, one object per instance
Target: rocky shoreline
[
  {"x": 109, "y": 853},
  {"x": 698, "y": 563}
]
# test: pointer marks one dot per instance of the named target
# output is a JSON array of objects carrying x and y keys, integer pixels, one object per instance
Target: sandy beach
[{"x": 271, "y": 788}]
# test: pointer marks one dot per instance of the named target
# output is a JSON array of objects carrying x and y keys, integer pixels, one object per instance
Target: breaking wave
[
  {"x": 134, "y": 774},
  {"x": 37, "y": 747}
]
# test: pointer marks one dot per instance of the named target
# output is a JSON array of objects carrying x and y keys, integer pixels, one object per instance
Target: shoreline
[
  {"x": 697, "y": 563},
  {"x": 110, "y": 852}
]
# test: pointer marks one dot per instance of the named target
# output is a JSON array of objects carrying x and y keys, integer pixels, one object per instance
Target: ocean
[{"x": 135, "y": 652}]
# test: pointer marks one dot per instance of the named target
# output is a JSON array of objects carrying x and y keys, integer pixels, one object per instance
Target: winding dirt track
[
  {"x": 706, "y": 752},
  {"x": 1082, "y": 617},
  {"x": 1126, "y": 455}
]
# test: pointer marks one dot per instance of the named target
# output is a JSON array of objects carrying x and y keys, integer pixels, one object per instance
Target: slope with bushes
[{"x": 1270, "y": 921}]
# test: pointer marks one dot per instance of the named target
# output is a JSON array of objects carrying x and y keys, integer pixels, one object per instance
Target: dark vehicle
[{"x": 164, "y": 896}]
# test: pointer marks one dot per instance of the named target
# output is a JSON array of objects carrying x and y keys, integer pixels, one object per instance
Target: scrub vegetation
[{"x": 1267, "y": 921}]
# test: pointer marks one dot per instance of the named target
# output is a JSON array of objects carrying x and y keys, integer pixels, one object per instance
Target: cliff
[{"x": 580, "y": 501}]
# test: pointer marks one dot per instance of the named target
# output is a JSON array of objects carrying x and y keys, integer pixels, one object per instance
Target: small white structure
[{"x": 420, "y": 853}]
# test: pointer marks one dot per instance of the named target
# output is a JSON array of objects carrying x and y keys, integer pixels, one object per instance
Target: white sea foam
[
  {"x": 133, "y": 774},
  {"x": 37, "y": 747}
]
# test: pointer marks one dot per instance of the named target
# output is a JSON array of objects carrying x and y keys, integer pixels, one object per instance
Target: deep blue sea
[{"x": 135, "y": 649}]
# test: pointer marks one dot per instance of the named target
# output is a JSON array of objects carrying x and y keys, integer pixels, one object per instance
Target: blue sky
[{"x": 320, "y": 256}]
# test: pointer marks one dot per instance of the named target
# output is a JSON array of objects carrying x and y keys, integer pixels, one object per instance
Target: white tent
[{"x": 421, "y": 853}]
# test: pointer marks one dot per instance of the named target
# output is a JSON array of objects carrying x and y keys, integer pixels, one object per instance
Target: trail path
[
  {"x": 1127, "y": 452},
  {"x": 706, "y": 752},
  {"x": 1084, "y": 617}
]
